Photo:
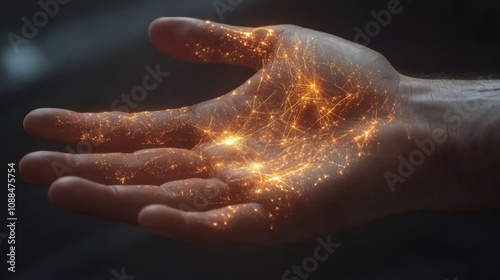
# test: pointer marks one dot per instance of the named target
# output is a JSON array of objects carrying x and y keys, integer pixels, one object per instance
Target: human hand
[{"x": 294, "y": 152}]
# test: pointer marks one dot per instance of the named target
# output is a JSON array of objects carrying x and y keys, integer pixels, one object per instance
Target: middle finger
[{"x": 151, "y": 166}]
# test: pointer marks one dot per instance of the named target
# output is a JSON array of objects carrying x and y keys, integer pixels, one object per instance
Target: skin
[{"x": 302, "y": 148}]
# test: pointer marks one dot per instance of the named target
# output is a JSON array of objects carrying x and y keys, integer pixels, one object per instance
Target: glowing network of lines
[{"x": 300, "y": 121}]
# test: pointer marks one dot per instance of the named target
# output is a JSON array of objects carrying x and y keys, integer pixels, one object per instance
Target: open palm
[{"x": 268, "y": 162}]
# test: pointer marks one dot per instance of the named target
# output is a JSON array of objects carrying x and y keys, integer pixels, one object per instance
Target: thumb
[{"x": 200, "y": 41}]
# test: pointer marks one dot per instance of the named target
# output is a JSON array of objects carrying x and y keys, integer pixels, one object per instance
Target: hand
[{"x": 294, "y": 152}]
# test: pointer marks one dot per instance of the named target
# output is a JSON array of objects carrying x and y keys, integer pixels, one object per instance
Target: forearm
[{"x": 462, "y": 118}]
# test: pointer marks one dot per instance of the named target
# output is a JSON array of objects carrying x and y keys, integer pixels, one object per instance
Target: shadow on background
[{"x": 90, "y": 52}]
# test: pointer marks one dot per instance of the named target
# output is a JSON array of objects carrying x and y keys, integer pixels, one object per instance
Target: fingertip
[
  {"x": 166, "y": 32},
  {"x": 62, "y": 190},
  {"x": 145, "y": 216},
  {"x": 32, "y": 168},
  {"x": 25, "y": 167},
  {"x": 43, "y": 121},
  {"x": 77, "y": 194},
  {"x": 155, "y": 28},
  {"x": 152, "y": 216},
  {"x": 163, "y": 220},
  {"x": 30, "y": 122}
]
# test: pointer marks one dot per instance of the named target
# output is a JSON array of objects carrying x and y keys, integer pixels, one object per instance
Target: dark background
[{"x": 92, "y": 51}]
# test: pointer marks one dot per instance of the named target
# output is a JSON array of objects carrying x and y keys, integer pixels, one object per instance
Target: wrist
[{"x": 455, "y": 125}]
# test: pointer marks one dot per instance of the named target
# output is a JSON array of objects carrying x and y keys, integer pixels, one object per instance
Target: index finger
[{"x": 115, "y": 131}]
